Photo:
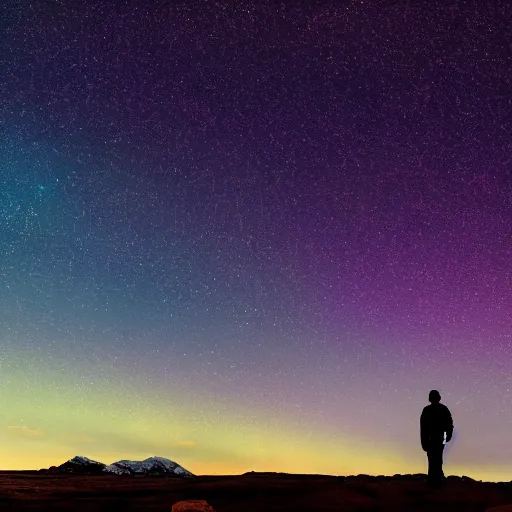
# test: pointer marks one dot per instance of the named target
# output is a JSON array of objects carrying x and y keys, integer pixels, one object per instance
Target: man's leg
[
  {"x": 440, "y": 462},
  {"x": 431, "y": 459},
  {"x": 435, "y": 464}
]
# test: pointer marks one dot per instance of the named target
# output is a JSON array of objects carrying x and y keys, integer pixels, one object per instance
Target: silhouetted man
[{"x": 436, "y": 420}]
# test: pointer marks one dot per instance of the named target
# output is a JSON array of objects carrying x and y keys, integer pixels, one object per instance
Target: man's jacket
[{"x": 436, "y": 419}]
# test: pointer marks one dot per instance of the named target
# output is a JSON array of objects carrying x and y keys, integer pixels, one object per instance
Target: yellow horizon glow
[{"x": 50, "y": 415}]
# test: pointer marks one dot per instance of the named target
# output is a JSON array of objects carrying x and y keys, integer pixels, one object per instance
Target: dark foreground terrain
[{"x": 25, "y": 491}]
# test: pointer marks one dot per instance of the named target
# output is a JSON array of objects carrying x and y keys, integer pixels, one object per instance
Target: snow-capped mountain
[
  {"x": 79, "y": 465},
  {"x": 79, "y": 459},
  {"x": 151, "y": 466}
]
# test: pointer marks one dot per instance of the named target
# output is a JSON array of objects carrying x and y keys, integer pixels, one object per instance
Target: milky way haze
[{"x": 253, "y": 237}]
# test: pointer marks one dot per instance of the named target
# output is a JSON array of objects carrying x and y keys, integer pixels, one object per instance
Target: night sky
[{"x": 253, "y": 236}]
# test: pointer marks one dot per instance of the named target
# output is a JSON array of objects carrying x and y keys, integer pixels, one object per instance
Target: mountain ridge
[{"x": 155, "y": 466}]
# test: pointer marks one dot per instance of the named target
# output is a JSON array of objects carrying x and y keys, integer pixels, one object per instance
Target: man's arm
[
  {"x": 423, "y": 431},
  {"x": 449, "y": 425}
]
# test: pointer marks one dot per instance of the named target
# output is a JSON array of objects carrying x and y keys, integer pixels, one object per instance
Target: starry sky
[{"x": 254, "y": 235}]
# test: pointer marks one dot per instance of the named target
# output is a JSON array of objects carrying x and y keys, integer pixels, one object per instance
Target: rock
[
  {"x": 501, "y": 508},
  {"x": 192, "y": 506}
]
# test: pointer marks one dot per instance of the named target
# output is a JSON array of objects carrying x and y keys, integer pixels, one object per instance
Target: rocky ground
[{"x": 26, "y": 491}]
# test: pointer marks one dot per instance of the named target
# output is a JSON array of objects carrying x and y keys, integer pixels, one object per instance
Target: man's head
[{"x": 434, "y": 396}]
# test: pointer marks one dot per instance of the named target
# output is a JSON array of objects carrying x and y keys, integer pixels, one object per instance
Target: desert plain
[{"x": 252, "y": 492}]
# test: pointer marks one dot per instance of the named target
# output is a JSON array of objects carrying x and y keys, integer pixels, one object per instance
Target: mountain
[
  {"x": 79, "y": 465},
  {"x": 151, "y": 466}
]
